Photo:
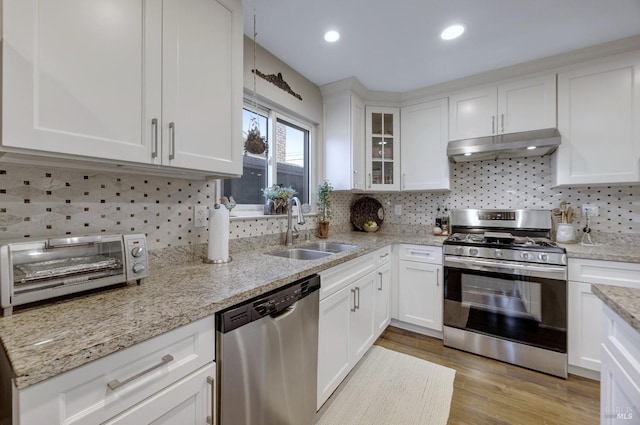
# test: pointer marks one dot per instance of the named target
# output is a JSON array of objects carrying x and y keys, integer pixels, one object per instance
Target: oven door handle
[{"x": 512, "y": 268}]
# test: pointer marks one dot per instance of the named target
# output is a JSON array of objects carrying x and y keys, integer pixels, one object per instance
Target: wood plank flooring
[{"x": 487, "y": 391}]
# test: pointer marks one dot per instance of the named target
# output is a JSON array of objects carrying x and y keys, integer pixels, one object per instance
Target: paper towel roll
[{"x": 218, "y": 234}]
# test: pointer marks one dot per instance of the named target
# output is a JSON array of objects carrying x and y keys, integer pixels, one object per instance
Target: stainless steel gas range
[{"x": 505, "y": 290}]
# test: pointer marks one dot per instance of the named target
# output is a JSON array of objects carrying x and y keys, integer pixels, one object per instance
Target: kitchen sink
[
  {"x": 330, "y": 246},
  {"x": 301, "y": 254}
]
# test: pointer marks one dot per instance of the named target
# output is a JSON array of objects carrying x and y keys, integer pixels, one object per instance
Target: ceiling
[{"x": 394, "y": 45}]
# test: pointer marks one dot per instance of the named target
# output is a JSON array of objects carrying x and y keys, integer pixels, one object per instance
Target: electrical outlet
[
  {"x": 398, "y": 209},
  {"x": 590, "y": 210},
  {"x": 200, "y": 216}
]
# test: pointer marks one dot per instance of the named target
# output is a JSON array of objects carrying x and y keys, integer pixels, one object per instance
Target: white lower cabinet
[
  {"x": 383, "y": 298},
  {"x": 585, "y": 315},
  {"x": 620, "y": 374},
  {"x": 186, "y": 402},
  {"x": 420, "y": 292},
  {"x": 161, "y": 380},
  {"x": 354, "y": 311},
  {"x": 346, "y": 331}
]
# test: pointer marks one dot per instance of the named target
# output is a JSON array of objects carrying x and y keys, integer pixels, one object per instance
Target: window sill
[{"x": 243, "y": 215}]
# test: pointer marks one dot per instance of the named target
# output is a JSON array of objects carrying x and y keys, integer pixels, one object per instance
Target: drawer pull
[
  {"x": 212, "y": 382},
  {"x": 117, "y": 384},
  {"x": 426, "y": 254},
  {"x": 385, "y": 255}
]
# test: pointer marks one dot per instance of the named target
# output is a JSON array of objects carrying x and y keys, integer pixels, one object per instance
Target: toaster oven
[{"x": 37, "y": 270}]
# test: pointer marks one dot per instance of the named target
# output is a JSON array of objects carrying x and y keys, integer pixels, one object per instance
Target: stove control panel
[{"x": 556, "y": 258}]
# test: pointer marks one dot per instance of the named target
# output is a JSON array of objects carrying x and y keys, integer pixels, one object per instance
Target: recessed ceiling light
[
  {"x": 451, "y": 32},
  {"x": 332, "y": 36}
]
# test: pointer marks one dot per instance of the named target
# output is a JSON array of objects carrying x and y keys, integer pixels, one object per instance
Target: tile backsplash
[{"x": 36, "y": 202}]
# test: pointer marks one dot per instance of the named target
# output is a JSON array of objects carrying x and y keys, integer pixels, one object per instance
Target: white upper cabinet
[
  {"x": 127, "y": 81},
  {"x": 599, "y": 121},
  {"x": 344, "y": 141},
  {"x": 509, "y": 107},
  {"x": 382, "y": 148},
  {"x": 425, "y": 133}
]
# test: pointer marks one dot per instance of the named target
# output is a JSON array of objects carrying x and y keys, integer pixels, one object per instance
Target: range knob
[
  {"x": 543, "y": 257},
  {"x": 524, "y": 255},
  {"x": 138, "y": 268},
  {"x": 498, "y": 253},
  {"x": 137, "y": 251},
  {"x": 473, "y": 251},
  {"x": 458, "y": 250}
]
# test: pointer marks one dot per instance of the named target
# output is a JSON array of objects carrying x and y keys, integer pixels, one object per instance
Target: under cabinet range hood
[{"x": 513, "y": 145}]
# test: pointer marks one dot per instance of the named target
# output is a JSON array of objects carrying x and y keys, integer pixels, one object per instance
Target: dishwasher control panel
[{"x": 271, "y": 304}]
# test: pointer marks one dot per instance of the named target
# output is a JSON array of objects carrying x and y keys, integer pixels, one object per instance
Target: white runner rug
[{"x": 391, "y": 388}]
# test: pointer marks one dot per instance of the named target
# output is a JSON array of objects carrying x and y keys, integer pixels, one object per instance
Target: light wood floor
[{"x": 491, "y": 392}]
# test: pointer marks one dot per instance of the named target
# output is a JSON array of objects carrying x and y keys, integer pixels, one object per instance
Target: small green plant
[
  {"x": 324, "y": 203},
  {"x": 278, "y": 192}
]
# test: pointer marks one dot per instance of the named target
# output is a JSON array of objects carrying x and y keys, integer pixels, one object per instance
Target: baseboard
[
  {"x": 416, "y": 329},
  {"x": 585, "y": 373}
]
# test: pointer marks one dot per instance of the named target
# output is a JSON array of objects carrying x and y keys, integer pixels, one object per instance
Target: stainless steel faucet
[{"x": 292, "y": 232}]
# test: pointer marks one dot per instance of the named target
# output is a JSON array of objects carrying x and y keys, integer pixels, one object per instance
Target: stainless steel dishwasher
[{"x": 267, "y": 354}]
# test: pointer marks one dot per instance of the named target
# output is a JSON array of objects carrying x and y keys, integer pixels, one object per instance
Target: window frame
[{"x": 274, "y": 114}]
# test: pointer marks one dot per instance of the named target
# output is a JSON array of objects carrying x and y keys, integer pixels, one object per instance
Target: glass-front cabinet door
[{"x": 383, "y": 148}]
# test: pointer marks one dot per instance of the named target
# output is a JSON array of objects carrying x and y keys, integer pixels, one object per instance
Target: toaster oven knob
[
  {"x": 137, "y": 251},
  {"x": 473, "y": 251},
  {"x": 138, "y": 268},
  {"x": 543, "y": 257},
  {"x": 524, "y": 255}
]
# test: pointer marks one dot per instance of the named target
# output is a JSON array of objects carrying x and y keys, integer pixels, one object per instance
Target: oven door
[{"x": 524, "y": 303}]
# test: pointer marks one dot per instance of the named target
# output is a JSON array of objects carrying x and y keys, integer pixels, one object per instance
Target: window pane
[
  {"x": 248, "y": 188},
  {"x": 292, "y": 158}
]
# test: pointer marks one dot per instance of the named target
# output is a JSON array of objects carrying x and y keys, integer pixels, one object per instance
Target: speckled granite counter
[
  {"x": 45, "y": 341},
  {"x": 624, "y": 301},
  {"x": 607, "y": 252}
]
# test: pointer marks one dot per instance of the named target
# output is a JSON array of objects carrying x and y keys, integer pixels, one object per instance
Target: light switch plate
[
  {"x": 200, "y": 216},
  {"x": 398, "y": 209},
  {"x": 590, "y": 210}
]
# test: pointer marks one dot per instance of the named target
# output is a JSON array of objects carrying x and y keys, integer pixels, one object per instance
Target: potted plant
[
  {"x": 277, "y": 197},
  {"x": 324, "y": 208},
  {"x": 254, "y": 142}
]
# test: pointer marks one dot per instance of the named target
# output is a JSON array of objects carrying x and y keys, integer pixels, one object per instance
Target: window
[
  {"x": 248, "y": 188},
  {"x": 285, "y": 163}
]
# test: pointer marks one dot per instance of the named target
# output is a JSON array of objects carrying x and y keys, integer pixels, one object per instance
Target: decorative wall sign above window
[{"x": 277, "y": 81}]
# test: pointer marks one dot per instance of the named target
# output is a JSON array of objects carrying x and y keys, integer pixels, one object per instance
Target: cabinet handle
[
  {"x": 502, "y": 123},
  {"x": 353, "y": 291},
  {"x": 355, "y": 178},
  {"x": 117, "y": 384},
  {"x": 154, "y": 136},
  {"x": 425, "y": 254},
  {"x": 358, "y": 295},
  {"x": 385, "y": 255},
  {"x": 438, "y": 278},
  {"x": 380, "y": 281},
  {"x": 212, "y": 382},
  {"x": 493, "y": 124},
  {"x": 172, "y": 137},
  {"x": 370, "y": 181},
  {"x": 404, "y": 181}
]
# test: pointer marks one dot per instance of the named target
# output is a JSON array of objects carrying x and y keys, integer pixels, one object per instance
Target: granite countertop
[
  {"x": 44, "y": 341},
  {"x": 624, "y": 301},
  {"x": 608, "y": 252}
]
